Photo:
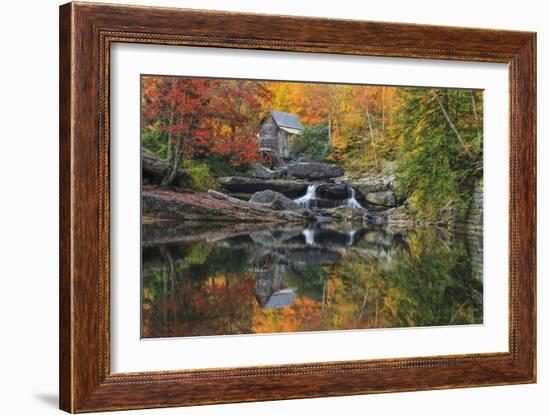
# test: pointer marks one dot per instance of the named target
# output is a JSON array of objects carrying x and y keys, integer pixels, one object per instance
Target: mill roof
[{"x": 286, "y": 120}]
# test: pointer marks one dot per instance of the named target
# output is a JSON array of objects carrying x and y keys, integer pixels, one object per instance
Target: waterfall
[
  {"x": 309, "y": 235},
  {"x": 349, "y": 237},
  {"x": 352, "y": 201},
  {"x": 311, "y": 200},
  {"x": 304, "y": 201}
]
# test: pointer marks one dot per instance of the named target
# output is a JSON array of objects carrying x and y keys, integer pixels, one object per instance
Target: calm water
[{"x": 242, "y": 280}]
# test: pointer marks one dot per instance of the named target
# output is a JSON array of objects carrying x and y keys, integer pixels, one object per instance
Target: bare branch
[{"x": 445, "y": 113}]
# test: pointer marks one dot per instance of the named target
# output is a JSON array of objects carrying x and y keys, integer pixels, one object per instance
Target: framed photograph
[{"x": 258, "y": 207}]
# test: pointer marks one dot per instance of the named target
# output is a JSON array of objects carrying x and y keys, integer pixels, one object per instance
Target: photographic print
[{"x": 271, "y": 206}]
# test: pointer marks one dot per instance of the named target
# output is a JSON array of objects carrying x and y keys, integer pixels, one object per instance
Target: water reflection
[{"x": 326, "y": 276}]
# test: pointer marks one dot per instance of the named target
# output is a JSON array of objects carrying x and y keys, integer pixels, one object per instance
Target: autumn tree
[
  {"x": 175, "y": 106},
  {"x": 442, "y": 145},
  {"x": 199, "y": 116}
]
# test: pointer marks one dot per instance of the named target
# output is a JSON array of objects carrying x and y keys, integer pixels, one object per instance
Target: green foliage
[
  {"x": 312, "y": 144},
  {"x": 221, "y": 166},
  {"x": 363, "y": 153},
  {"x": 437, "y": 162},
  {"x": 154, "y": 139},
  {"x": 201, "y": 178}
]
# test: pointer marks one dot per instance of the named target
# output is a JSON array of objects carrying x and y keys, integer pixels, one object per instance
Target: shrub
[
  {"x": 154, "y": 140},
  {"x": 201, "y": 178},
  {"x": 312, "y": 144}
]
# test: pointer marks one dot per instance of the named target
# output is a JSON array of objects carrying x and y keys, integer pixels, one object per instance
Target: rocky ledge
[
  {"x": 249, "y": 185},
  {"x": 300, "y": 170},
  {"x": 161, "y": 203},
  {"x": 314, "y": 171}
]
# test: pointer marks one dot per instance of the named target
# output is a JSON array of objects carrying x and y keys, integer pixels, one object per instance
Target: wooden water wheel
[{"x": 267, "y": 158}]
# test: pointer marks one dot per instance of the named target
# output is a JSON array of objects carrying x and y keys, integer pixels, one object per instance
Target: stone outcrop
[
  {"x": 333, "y": 191},
  {"x": 289, "y": 188},
  {"x": 314, "y": 171},
  {"x": 277, "y": 201},
  {"x": 373, "y": 184},
  {"x": 377, "y": 191},
  {"x": 470, "y": 220}
]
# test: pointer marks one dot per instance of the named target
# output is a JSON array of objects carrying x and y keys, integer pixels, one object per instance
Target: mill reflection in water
[{"x": 327, "y": 276}]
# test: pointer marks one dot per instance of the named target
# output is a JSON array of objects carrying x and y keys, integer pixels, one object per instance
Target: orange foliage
[{"x": 303, "y": 315}]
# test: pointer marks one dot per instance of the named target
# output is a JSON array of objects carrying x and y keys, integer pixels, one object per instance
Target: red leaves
[{"x": 213, "y": 116}]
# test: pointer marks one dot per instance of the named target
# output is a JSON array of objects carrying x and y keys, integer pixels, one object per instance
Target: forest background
[{"x": 431, "y": 138}]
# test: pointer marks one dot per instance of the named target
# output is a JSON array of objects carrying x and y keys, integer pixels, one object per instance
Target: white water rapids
[{"x": 306, "y": 201}]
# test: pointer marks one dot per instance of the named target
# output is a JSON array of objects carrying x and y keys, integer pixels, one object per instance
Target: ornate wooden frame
[{"x": 86, "y": 33}]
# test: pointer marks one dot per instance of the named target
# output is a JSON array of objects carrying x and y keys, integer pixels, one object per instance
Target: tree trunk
[
  {"x": 177, "y": 155},
  {"x": 383, "y": 110},
  {"x": 371, "y": 134},
  {"x": 169, "y": 143},
  {"x": 330, "y": 130},
  {"x": 174, "y": 165}
]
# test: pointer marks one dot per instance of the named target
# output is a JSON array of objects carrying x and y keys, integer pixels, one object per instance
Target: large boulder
[
  {"x": 275, "y": 200},
  {"x": 373, "y": 184},
  {"x": 384, "y": 198},
  {"x": 281, "y": 203},
  {"x": 289, "y": 188},
  {"x": 315, "y": 171},
  {"x": 333, "y": 191}
]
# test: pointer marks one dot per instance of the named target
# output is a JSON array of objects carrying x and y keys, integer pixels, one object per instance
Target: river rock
[
  {"x": 289, "y": 188},
  {"x": 315, "y": 171},
  {"x": 333, "y": 191},
  {"x": 274, "y": 200},
  {"x": 384, "y": 198},
  {"x": 373, "y": 184},
  {"x": 346, "y": 213}
]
